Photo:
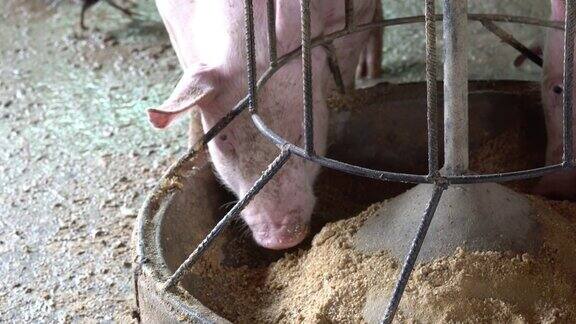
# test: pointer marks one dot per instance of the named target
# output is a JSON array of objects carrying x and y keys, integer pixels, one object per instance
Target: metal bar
[
  {"x": 307, "y": 78},
  {"x": 431, "y": 88},
  {"x": 400, "y": 177},
  {"x": 349, "y": 14},
  {"x": 504, "y": 177},
  {"x": 334, "y": 67},
  {"x": 510, "y": 40},
  {"x": 272, "y": 169},
  {"x": 570, "y": 29},
  {"x": 475, "y": 17},
  {"x": 456, "y": 156},
  {"x": 250, "y": 54},
  {"x": 337, "y": 165},
  {"x": 413, "y": 254},
  {"x": 516, "y": 19},
  {"x": 272, "y": 41}
]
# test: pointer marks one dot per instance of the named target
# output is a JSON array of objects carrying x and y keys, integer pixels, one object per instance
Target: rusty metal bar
[
  {"x": 272, "y": 40},
  {"x": 570, "y": 32},
  {"x": 431, "y": 87},
  {"x": 412, "y": 256},
  {"x": 512, "y": 41},
  {"x": 349, "y": 12},
  {"x": 307, "y": 78},
  {"x": 250, "y": 54}
]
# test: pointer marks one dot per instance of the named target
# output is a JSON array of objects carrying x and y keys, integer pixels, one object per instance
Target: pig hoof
[{"x": 280, "y": 237}]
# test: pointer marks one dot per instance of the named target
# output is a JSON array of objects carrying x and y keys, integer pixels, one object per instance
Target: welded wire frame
[{"x": 287, "y": 149}]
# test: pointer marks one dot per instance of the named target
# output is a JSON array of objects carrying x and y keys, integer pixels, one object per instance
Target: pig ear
[{"x": 196, "y": 87}]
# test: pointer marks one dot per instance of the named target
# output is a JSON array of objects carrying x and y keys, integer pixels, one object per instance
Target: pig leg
[
  {"x": 370, "y": 62},
  {"x": 85, "y": 6},
  {"x": 123, "y": 10}
]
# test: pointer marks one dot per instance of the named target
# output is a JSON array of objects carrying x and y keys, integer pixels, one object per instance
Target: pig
[
  {"x": 562, "y": 184},
  {"x": 208, "y": 37}
]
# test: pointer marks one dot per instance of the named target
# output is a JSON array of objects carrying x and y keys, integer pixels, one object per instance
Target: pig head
[
  {"x": 559, "y": 185},
  {"x": 208, "y": 36}
]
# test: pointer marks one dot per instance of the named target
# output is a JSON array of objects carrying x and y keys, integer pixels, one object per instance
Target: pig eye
[{"x": 557, "y": 89}]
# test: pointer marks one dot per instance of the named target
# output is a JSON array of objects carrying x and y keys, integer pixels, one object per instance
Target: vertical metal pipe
[
  {"x": 307, "y": 78},
  {"x": 250, "y": 54},
  {"x": 431, "y": 87},
  {"x": 455, "y": 87},
  {"x": 272, "y": 47},
  {"x": 569, "y": 34}
]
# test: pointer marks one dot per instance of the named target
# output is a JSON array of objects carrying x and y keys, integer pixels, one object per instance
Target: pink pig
[
  {"x": 559, "y": 185},
  {"x": 208, "y": 36}
]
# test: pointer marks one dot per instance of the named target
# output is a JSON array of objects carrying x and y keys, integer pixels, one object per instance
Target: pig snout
[
  {"x": 282, "y": 221},
  {"x": 279, "y": 236}
]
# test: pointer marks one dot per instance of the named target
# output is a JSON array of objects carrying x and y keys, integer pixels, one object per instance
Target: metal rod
[
  {"x": 307, "y": 78},
  {"x": 334, "y": 67},
  {"x": 504, "y": 177},
  {"x": 431, "y": 87},
  {"x": 349, "y": 12},
  {"x": 456, "y": 87},
  {"x": 570, "y": 31},
  {"x": 250, "y": 54},
  {"x": 400, "y": 177},
  {"x": 272, "y": 169},
  {"x": 272, "y": 46},
  {"x": 333, "y": 164},
  {"x": 413, "y": 254},
  {"x": 512, "y": 41}
]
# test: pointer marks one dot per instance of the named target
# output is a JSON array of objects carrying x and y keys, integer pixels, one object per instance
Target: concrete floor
[{"x": 78, "y": 155}]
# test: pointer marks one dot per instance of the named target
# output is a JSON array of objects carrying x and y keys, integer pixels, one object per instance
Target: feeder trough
[{"x": 382, "y": 127}]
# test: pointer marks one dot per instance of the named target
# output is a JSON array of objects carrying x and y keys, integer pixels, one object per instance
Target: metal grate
[{"x": 455, "y": 19}]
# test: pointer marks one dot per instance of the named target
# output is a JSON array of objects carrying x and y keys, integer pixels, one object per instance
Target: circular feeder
[{"x": 389, "y": 135}]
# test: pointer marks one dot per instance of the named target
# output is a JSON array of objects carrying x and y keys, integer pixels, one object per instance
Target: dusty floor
[{"x": 78, "y": 156}]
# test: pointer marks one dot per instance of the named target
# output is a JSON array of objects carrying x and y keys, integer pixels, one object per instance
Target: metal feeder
[{"x": 164, "y": 240}]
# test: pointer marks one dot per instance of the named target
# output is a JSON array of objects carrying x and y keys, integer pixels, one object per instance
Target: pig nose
[
  {"x": 558, "y": 89},
  {"x": 280, "y": 237}
]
